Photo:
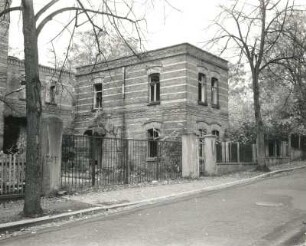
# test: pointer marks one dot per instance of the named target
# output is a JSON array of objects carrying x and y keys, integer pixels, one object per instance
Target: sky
[{"x": 167, "y": 23}]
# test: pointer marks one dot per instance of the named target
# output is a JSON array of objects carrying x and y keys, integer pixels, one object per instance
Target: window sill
[
  {"x": 216, "y": 106},
  {"x": 153, "y": 103},
  {"x": 202, "y": 103}
]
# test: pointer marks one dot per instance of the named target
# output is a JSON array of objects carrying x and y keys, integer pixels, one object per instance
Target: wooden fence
[{"x": 12, "y": 175}]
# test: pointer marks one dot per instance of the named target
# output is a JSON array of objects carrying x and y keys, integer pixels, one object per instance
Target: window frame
[
  {"x": 153, "y": 139},
  {"x": 96, "y": 93},
  {"x": 202, "y": 89},
  {"x": 154, "y": 89},
  {"x": 215, "y": 92}
]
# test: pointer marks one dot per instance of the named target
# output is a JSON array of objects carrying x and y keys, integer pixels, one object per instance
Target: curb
[{"x": 10, "y": 226}]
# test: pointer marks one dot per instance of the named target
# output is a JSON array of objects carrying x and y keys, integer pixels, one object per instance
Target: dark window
[
  {"x": 98, "y": 95},
  {"x": 154, "y": 87},
  {"x": 216, "y": 133},
  {"x": 50, "y": 93},
  {"x": 202, "y": 89},
  {"x": 153, "y": 135},
  {"x": 214, "y": 92}
]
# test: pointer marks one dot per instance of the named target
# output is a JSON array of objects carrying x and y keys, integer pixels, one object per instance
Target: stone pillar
[
  {"x": 190, "y": 156},
  {"x": 210, "y": 155},
  {"x": 51, "y": 149},
  {"x": 4, "y": 31}
]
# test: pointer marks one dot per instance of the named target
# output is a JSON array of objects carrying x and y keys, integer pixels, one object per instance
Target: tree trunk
[
  {"x": 260, "y": 137},
  {"x": 32, "y": 206}
]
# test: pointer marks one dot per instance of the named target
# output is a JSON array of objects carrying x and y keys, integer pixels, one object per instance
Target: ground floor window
[{"x": 153, "y": 136}]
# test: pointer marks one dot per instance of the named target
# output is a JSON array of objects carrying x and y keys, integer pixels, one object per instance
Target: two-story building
[{"x": 159, "y": 94}]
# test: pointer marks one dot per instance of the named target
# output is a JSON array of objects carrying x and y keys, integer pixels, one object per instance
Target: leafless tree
[
  {"x": 243, "y": 30},
  {"x": 33, "y": 23}
]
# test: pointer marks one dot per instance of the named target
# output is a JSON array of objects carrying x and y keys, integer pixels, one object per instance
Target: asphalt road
[{"x": 269, "y": 212}]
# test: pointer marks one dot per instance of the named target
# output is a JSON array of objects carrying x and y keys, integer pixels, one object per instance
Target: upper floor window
[
  {"x": 214, "y": 93},
  {"x": 50, "y": 93},
  {"x": 153, "y": 136},
  {"x": 97, "y": 95},
  {"x": 154, "y": 80},
  {"x": 202, "y": 89}
]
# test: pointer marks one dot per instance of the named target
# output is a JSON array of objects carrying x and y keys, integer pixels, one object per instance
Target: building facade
[{"x": 160, "y": 94}]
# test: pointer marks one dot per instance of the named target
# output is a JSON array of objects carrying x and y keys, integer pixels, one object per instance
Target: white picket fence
[{"x": 12, "y": 174}]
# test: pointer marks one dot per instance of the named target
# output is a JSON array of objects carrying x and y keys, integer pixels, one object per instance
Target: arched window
[
  {"x": 153, "y": 136},
  {"x": 216, "y": 133},
  {"x": 214, "y": 93},
  {"x": 154, "y": 85},
  {"x": 202, "y": 89}
]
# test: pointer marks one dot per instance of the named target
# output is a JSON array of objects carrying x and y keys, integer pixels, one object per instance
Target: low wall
[
  {"x": 297, "y": 154},
  {"x": 224, "y": 168},
  {"x": 273, "y": 161}
]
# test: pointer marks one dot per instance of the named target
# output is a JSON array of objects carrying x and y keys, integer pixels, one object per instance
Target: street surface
[{"x": 266, "y": 213}]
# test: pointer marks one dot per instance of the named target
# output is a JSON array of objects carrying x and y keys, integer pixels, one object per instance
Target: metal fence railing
[
  {"x": 93, "y": 161},
  {"x": 231, "y": 152}
]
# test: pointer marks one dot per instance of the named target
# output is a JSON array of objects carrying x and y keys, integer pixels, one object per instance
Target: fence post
[
  {"x": 254, "y": 153},
  {"x": 223, "y": 144},
  {"x": 190, "y": 156},
  {"x": 289, "y": 147},
  {"x": 210, "y": 154},
  {"x": 93, "y": 161},
  {"x": 227, "y": 151},
  {"x": 238, "y": 152},
  {"x": 125, "y": 160},
  {"x": 51, "y": 149}
]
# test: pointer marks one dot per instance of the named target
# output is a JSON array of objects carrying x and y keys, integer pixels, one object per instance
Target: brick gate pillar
[
  {"x": 51, "y": 149},
  {"x": 190, "y": 156},
  {"x": 210, "y": 154}
]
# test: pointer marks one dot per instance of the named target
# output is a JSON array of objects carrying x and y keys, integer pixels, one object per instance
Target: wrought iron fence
[
  {"x": 93, "y": 161},
  {"x": 12, "y": 175},
  {"x": 231, "y": 152}
]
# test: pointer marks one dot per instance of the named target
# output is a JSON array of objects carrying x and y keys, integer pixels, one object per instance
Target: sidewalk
[{"x": 122, "y": 196}]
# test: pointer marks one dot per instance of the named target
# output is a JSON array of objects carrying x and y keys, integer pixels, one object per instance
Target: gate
[
  {"x": 89, "y": 161},
  {"x": 201, "y": 156}
]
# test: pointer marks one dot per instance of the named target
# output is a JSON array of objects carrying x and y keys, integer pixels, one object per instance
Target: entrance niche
[{"x": 14, "y": 134}]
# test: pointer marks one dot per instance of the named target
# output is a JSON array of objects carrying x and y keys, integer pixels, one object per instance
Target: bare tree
[
  {"x": 243, "y": 29},
  {"x": 33, "y": 23}
]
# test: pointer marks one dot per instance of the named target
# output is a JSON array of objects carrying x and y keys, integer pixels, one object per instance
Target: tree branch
[
  {"x": 9, "y": 10},
  {"x": 82, "y": 10}
]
